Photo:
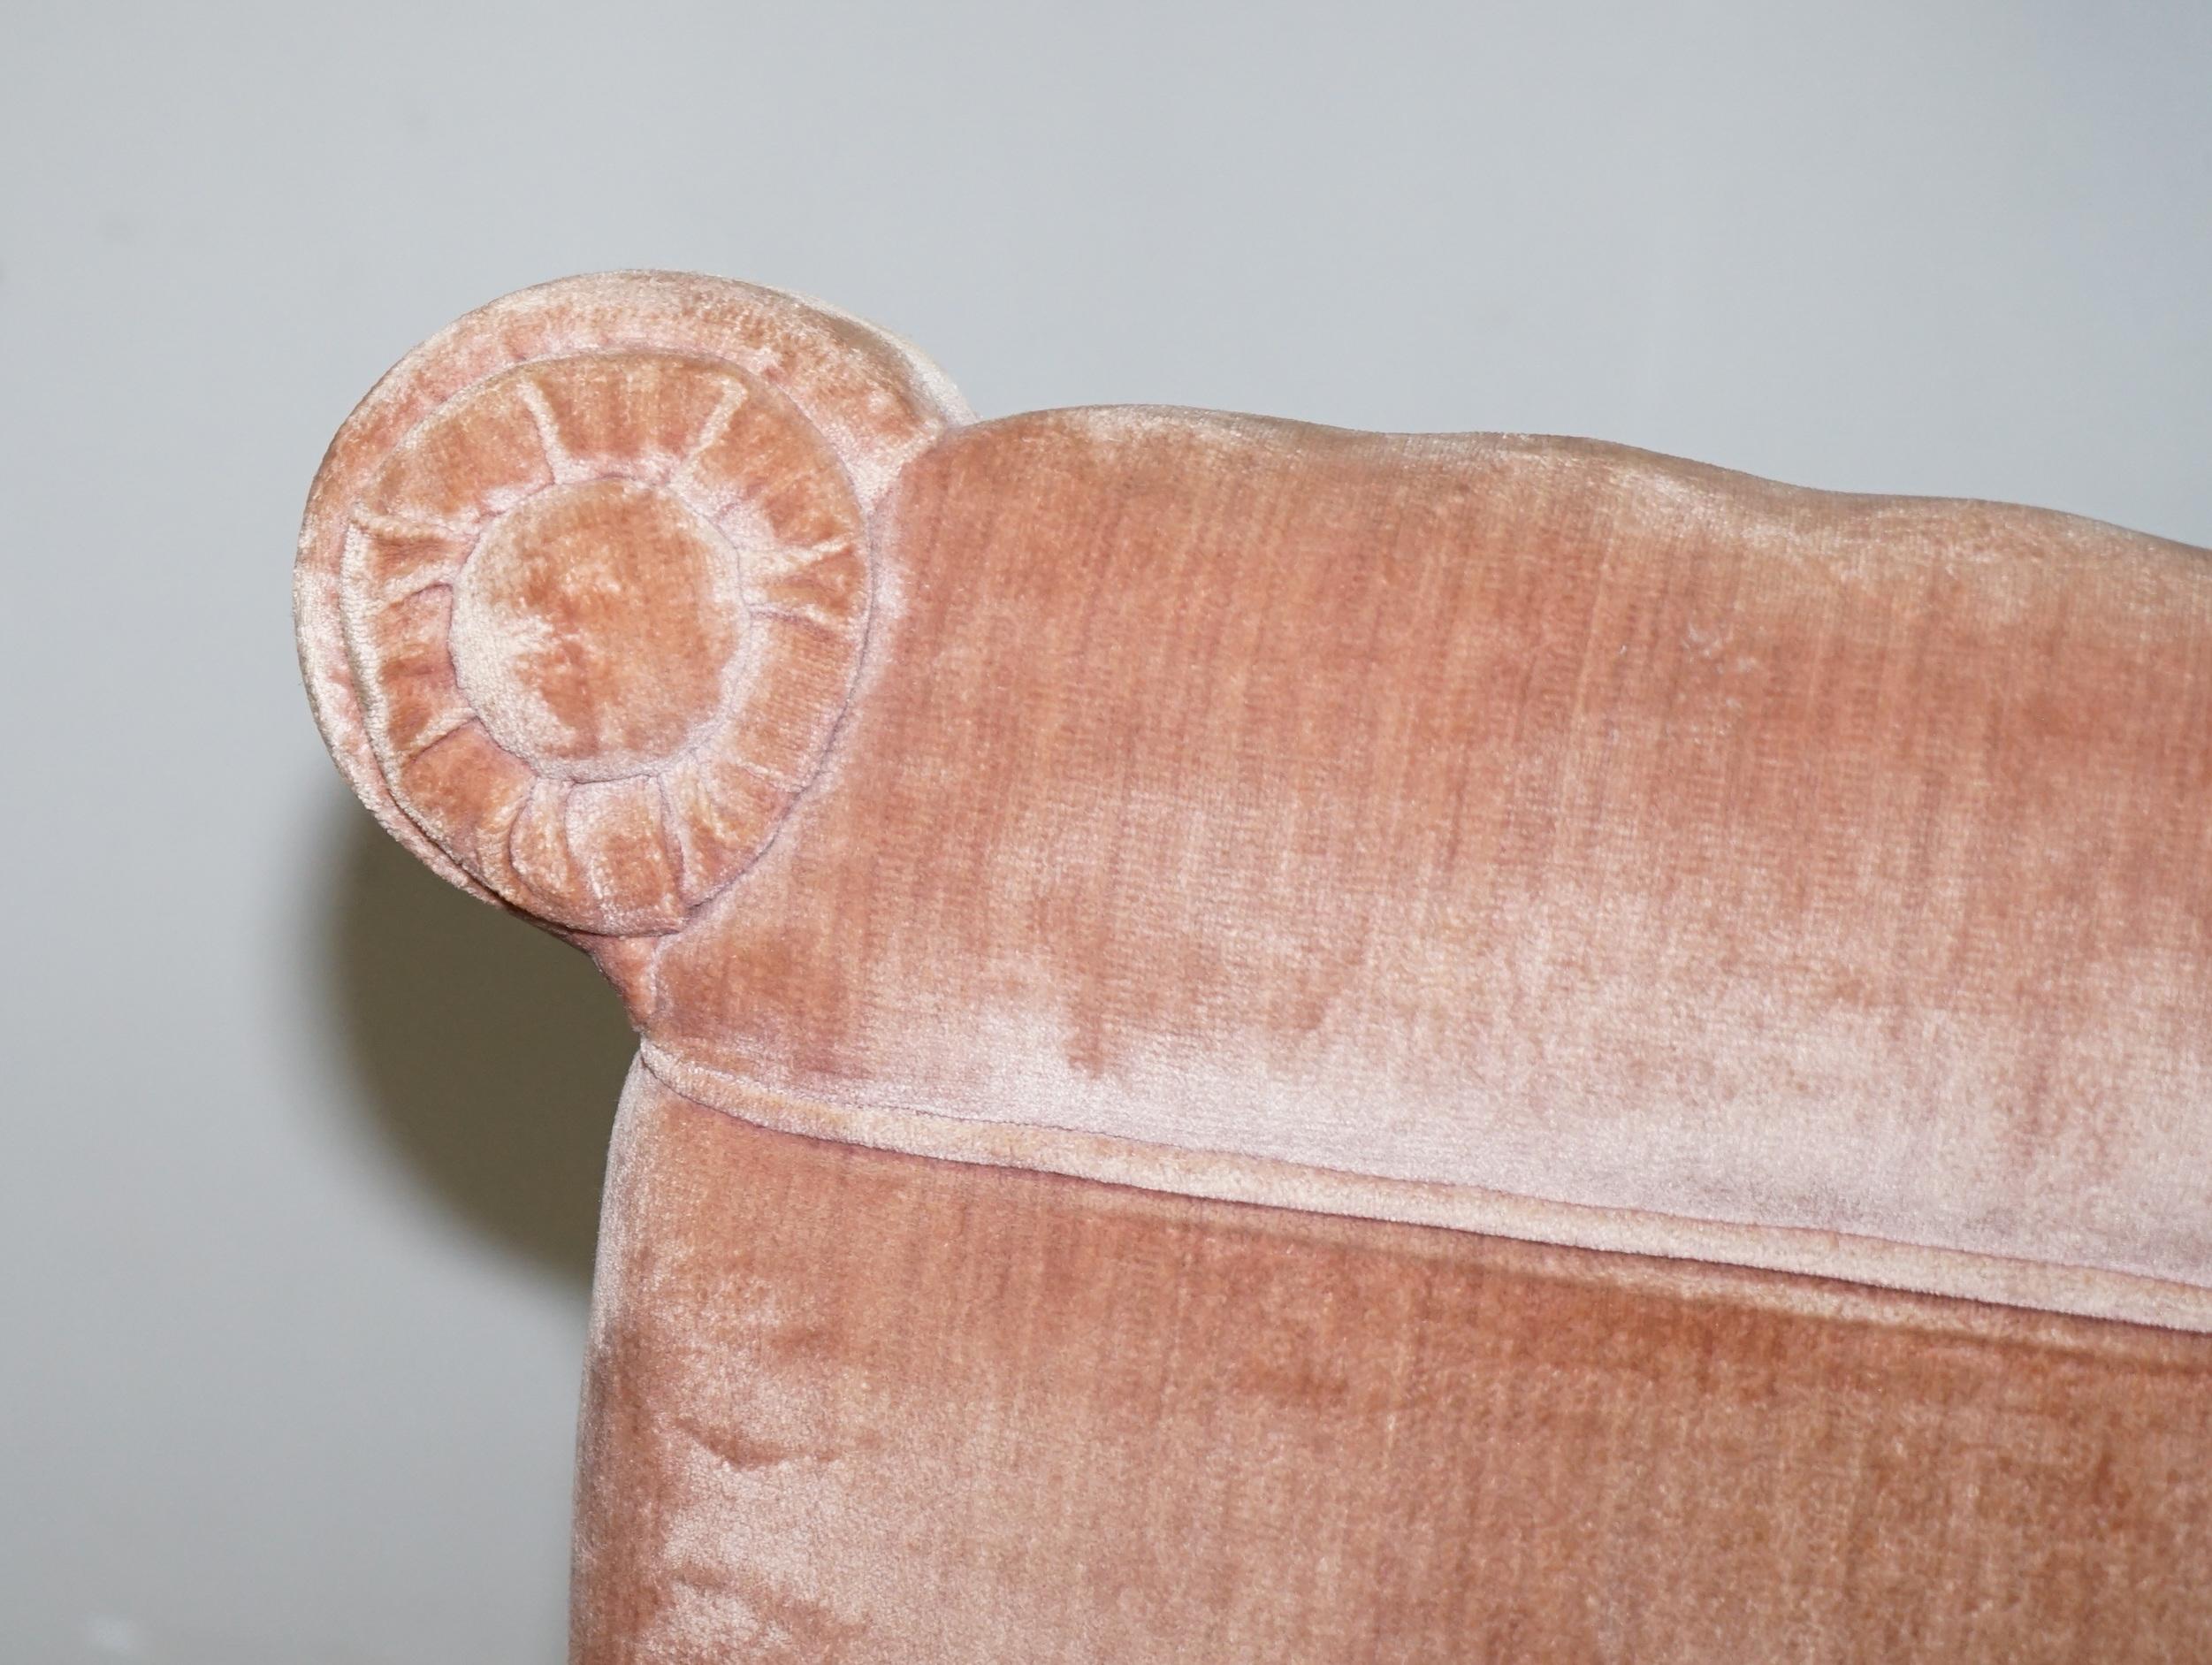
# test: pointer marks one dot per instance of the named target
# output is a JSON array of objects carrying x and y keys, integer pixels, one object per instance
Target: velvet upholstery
[
  {"x": 1375, "y": 856},
  {"x": 848, "y": 1404}
]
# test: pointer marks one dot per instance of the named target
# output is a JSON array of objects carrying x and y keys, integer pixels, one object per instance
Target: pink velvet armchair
[{"x": 1261, "y": 1043}]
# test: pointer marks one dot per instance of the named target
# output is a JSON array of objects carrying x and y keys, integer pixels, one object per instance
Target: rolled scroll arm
[{"x": 584, "y": 582}]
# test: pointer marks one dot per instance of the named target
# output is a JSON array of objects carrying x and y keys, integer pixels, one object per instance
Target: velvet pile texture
[
  {"x": 850, "y": 1404},
  {"x": 1267, "y": 1043}
]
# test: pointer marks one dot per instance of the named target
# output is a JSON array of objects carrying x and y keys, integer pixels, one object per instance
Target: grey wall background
[{"x": 302, "y": 1150}]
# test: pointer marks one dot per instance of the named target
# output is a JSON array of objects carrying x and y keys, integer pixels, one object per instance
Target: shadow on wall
[{"x": 491, "y": 1053}]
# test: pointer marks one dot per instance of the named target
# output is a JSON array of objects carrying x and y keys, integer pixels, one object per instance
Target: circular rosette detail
[
  {"x": 584, "y": 584},
  {"x": 604, "y": 612}
]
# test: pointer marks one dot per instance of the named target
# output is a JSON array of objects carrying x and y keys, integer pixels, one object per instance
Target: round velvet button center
[{"x": 594, "y": 628}]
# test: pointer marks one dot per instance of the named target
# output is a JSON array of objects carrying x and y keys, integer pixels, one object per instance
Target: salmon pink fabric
[{"x": 1380, "y": 855}]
